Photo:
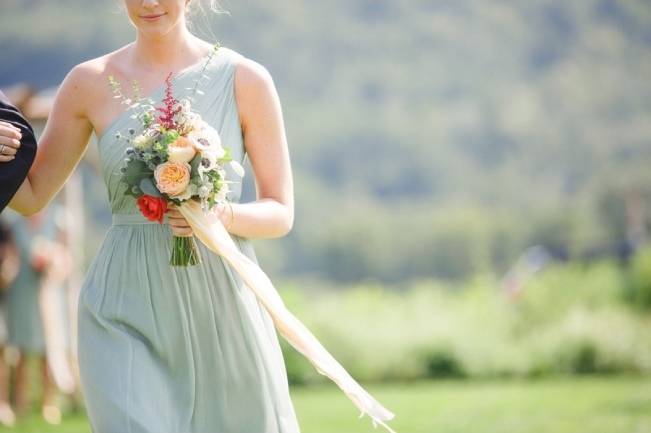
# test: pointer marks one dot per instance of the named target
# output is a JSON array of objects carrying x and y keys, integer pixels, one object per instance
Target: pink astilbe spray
[{"x": 171, "y": 108}]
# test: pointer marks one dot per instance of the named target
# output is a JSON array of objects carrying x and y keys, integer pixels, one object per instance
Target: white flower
[
  {"x": 141, "y": 141},
  {"x": 179, "y": 118},
  {"x": 204, "y": 191},
  {"x": 221, "y": 194},
  {"x": 201, "y": 169},
  {"x": 185, "y": 105},
  {"x": 207, "y": 140},
  {"x": 237, "y": 167},
  {"x": 211, "y": 155},
  {"x": 193, "y": 121}
]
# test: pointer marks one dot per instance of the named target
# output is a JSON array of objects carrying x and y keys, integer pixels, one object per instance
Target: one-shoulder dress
[{"x": 167, "y": 349}]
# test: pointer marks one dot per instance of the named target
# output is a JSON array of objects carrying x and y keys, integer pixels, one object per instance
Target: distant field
[{"x": 617, "y": 404}]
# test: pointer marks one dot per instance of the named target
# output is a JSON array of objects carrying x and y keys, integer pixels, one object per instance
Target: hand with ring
[{"x": 10, "y": 136}]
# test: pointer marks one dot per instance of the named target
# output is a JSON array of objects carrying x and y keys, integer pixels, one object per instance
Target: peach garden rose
[{"x": 172, "y": 178}]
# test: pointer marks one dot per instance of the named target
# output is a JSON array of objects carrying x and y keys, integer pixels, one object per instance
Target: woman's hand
[
  {"x": 9, "y": 141},
  {"x": 178, "y": 223},
  {"x": 180, "y": 227}
]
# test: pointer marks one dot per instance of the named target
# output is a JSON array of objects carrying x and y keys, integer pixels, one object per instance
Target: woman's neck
[{"x": 170, "y": 51}]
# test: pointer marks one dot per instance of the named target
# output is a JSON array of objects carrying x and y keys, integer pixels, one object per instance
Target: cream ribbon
[{"x": 213, "y": 234}]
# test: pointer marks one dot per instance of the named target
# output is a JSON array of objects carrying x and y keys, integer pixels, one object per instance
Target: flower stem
[{"x": 184, "y": 251}]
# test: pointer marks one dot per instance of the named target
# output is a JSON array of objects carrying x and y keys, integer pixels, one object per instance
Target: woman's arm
[
  {"x": 61, "y": 145},
  {"x": 272, "y": 214}
]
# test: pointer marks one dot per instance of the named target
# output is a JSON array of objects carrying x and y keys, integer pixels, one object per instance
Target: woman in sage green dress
[
  {"x": 167, "y": 349},
  {"x": 173, "y": 349},
  {"x": 164, "y": 348}
]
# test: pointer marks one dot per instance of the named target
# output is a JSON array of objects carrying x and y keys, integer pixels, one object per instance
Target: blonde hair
[
  {"x": 196, "y": 7},
  {"x": 198, "y": 16}
]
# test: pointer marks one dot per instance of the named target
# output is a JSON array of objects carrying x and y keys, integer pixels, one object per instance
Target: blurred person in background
[
  {"x": 9, "y": 264},
  {"x": 36, "y": 239}
]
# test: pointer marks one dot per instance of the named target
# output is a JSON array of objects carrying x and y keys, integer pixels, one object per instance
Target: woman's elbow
[
  {"x": 287, "y": 224},
  {"x": 26, "y": 209},
  {"x": 25, "y": 201}
]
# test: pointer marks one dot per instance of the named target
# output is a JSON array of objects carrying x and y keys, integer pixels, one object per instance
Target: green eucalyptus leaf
[
  {"x": 136, "y": 170},
  {"x": 194, "y": 163},
  {"x": 147, "y": 186}
]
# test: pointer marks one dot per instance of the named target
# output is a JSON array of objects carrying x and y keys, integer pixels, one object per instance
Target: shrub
[
  {"x": 442, "y": 362},
  {"x": 578, "y": 357}
]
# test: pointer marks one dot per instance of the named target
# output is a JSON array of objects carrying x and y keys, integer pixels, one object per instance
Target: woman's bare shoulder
[
  {"x": 249, "y": 72},
  {"x": 98, "y": 67},
  {"x": 89, "y": 79},
  {"x": 254, "y": 86}
]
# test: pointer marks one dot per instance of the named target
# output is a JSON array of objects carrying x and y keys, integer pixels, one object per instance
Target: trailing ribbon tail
[{"x": 213, "y": 234}]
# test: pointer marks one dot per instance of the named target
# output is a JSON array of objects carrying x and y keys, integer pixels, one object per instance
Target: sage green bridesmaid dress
[
  {"x": 167, "y": 349},
  {"x": 24, "y": 321}
]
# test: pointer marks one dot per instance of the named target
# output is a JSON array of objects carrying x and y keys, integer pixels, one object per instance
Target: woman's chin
[{"x": 153, "y": 30}]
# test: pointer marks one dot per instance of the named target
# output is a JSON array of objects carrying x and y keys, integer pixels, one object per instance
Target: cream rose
[
  {"x": 172, "y": 178},
  {"x": 181, "y": 150}
]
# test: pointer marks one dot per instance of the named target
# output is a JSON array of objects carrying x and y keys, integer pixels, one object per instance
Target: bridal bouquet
[{"x": 177, "y": 157}]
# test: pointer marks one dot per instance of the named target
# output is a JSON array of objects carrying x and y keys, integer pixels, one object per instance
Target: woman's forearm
[
  {"x": 60, "y": 146},
  {"x": 263, "y": 218},
  {"x": 42, "y": 183}
]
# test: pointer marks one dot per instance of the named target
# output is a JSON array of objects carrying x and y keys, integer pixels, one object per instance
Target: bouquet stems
[{"x": 184, "y": 251}]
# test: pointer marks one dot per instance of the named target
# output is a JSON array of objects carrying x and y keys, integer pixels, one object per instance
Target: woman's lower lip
[{"x": 152, "y": 18}]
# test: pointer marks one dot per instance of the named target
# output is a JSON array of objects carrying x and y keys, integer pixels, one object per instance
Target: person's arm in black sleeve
[{"x": 13, "y": 172}]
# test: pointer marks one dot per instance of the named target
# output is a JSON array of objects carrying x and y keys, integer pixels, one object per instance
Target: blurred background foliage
[
  {"x": 573, "y": 319},
  {"x": 428, "y": 138},
  {"x": 433, "y": 143}
]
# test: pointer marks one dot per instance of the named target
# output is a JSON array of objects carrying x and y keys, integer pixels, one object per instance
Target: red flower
[{"x": 153, "y": 208}]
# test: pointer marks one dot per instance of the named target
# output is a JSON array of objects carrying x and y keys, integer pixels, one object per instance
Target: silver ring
[{"x": 2, "y": 149}]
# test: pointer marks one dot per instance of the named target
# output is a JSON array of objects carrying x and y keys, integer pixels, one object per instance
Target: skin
[
  {"x": 84, "y": 103},
  {"x": 9, "y": 136}
]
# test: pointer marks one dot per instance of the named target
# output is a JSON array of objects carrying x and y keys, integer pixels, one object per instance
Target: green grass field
[{"x": 617, "y": 404}]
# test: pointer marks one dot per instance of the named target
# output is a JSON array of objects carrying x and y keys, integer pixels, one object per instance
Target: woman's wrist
[
  {"x": 226, "y": 214},
  {"x": 230, "y": 216}
]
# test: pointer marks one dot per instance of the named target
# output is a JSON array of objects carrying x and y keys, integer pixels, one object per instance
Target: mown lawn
[{"x": 617, "y": 404}]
